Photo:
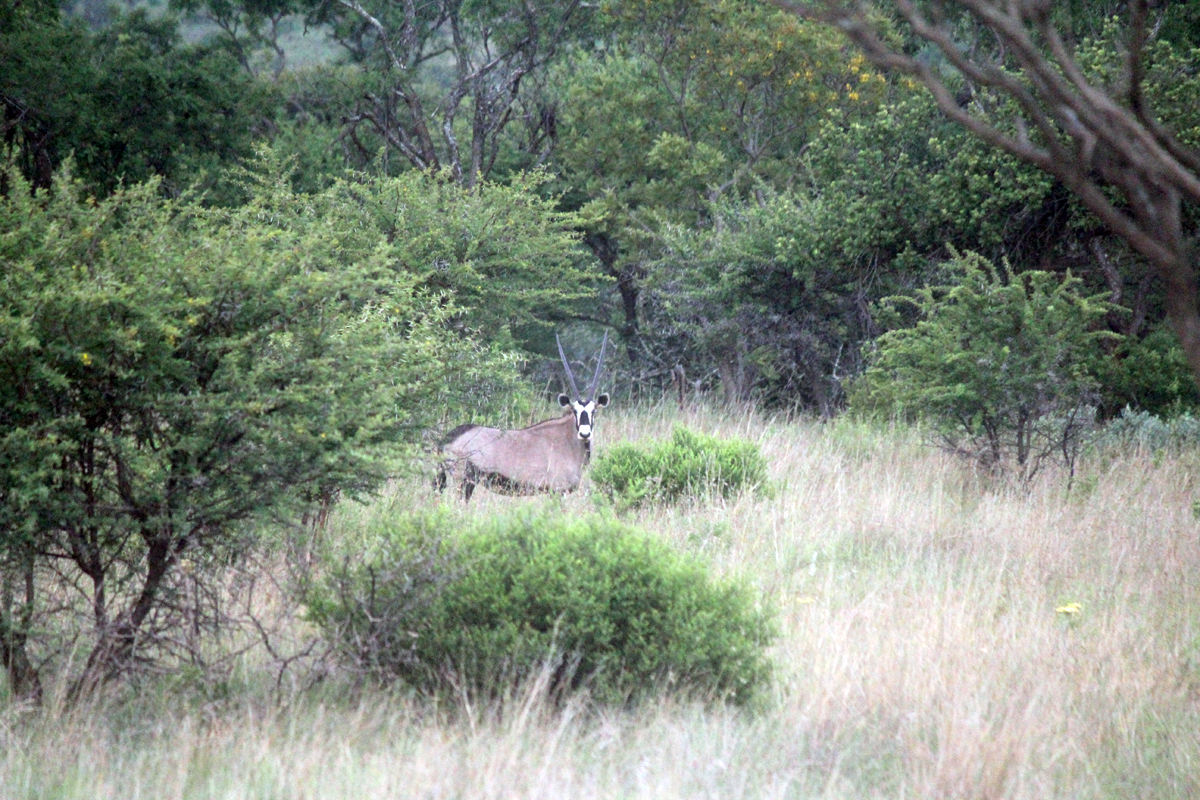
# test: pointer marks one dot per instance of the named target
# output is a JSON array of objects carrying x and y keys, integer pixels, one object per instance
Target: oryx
[{"x": 546, "y": 457}]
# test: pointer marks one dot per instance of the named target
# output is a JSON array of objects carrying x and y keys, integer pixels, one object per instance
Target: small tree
[
  {"x": 168, "y": 372},
  {"x": 1001, "y": 366}
]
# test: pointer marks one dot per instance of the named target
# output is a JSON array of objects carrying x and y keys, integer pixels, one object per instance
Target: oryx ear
[
  {"x": 564, "y": 401},
  {"x": 602, "y": 400}
]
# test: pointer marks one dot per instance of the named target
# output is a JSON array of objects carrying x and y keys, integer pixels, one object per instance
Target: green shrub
[
  {"x": 1001, "y": 366},
  {"x": 1150, "y": 374},
  {"x": 689, "y": 464},
  {"x": 1141, "y": 429},
  {"x": 444, "y": 604}
]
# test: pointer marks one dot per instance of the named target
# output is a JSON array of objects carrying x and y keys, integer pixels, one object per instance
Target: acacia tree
[
  {"x": 1003, "y": 367},
  {"x": 170, "y": 372},
  {"x": 247, "y": 27},
  {"x": 1029, "y": 96}
]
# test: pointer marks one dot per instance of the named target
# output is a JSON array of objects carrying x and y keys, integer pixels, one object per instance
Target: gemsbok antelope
[{"x": 546, "y": 457}]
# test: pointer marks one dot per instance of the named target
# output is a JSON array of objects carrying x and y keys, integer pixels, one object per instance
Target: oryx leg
[{"x": 470, "y": 477}]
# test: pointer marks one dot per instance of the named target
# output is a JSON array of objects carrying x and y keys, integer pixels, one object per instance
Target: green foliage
[
  {"x": 453, "y": 77},
  {"x": 764, "y": 300},
  {"x": 1141, "y": 429},
  {"x": 907, "y": 178},
  {"x": 1002, "y": 367},
  {"x": 168, "y": 371},
  {"x": 500, "y": 252},
  {"x": 699, "y": 98},
  {"x": 129, "y": 102},
  {"x": 691, "y": 464},
  {"x": 774, "y": 294},
  {"x": 1149, "y": 374},
  {"x": 1172, "y": 86},
  {"x": 693, "y": 102},
  {"x": 307, "y": 126},
  {"x": 447, "y": 605}
]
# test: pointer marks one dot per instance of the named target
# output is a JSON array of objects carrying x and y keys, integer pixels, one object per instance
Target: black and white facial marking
[
  {"x": 584, "y": 410},
  {"x": 585, "y": 413}
]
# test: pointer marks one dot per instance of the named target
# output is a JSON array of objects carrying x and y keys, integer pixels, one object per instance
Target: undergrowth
[
  {"x": 690, "y": 464},
  {"x": 446, "y": 604}
]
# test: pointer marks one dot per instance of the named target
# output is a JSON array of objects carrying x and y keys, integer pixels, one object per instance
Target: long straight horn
[
  {"x": 567, "y": 367},
  {"x": 599, "y": 364}
]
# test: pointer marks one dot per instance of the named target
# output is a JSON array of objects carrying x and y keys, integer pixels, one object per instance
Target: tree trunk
[
  {"x": 1181, "y": 309},
  {"x": 23, "y": 679},
  {"x": 117, "y": 643},
  {"x": 607, "y": 250},
  {"x": 737, "y": 376},
  {"x": 627, "y": 285}
]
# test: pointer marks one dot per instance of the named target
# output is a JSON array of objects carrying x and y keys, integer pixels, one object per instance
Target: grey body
[{"x": 546, "y": 457}]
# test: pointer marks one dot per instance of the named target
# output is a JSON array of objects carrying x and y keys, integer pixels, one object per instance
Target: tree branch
[{"x": 1125, "y": 148}]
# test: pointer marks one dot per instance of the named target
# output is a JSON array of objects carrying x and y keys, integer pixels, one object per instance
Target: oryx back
[{"x": 546, "y": 457}]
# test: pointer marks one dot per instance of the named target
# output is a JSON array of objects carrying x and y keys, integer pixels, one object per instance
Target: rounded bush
[
  {"x": 690, "y": 464},
  {"x": 442, "y": 603}
]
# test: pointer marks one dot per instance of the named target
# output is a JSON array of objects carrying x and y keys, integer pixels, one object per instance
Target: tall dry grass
[{"x": 924, "y": 654}]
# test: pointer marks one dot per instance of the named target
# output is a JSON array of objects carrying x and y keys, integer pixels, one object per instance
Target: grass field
[{"x": 942, "y": 637}]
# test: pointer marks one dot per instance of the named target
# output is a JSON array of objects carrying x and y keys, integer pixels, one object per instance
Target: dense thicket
[
  {"x": 129, "y": 101},
  {"x": 1091, "y": 95},
  {"x": 171, "y": 372},
  {"x": 748, "y": 185}
]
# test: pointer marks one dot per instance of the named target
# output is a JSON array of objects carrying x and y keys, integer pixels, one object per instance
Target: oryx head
[{"x": 585, "y": 409}]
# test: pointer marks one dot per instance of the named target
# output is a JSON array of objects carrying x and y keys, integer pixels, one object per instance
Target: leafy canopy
[{"x": 129, "y": 102}]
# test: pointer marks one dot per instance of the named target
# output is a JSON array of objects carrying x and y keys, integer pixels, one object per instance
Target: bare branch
[
  {"x": 357, "y": 8},
  {"x": 1133, "y": 60}
]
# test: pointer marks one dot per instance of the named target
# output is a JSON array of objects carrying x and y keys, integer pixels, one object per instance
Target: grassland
[{"x": 943, "y": 636}]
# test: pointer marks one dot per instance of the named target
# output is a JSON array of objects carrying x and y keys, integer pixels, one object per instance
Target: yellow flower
[
  {"x": 86, "y": 358},
  {"x": 1070, "y": 609}
]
